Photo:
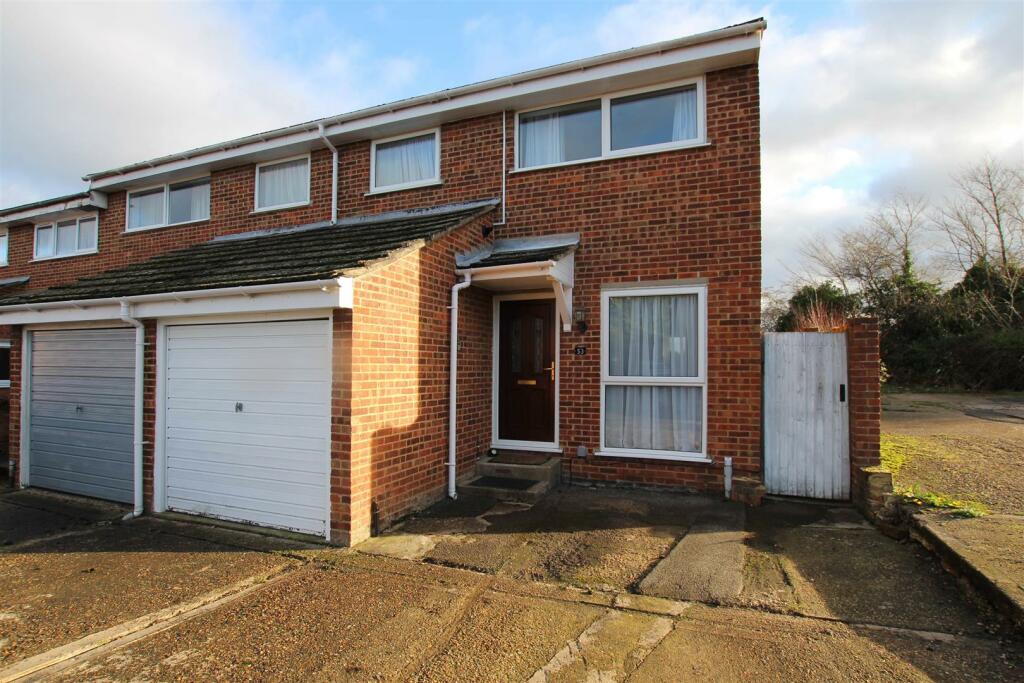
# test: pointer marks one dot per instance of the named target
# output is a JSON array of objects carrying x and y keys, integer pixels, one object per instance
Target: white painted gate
[{"x": 806, "y": 422}]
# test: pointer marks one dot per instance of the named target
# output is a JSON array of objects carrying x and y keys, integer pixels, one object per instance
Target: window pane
[
  {"x": 189, "y": 201},
  {"x": 654, "y": 118},
  {"x": 3, "y": 247},
  {"x": 146, "y": 208},
  {"x": 67, "y": 238},
  {"x": 653, "y": 336},
  {"x": 405, "y": 161},
  {"x": 654, "y": 418},
  {"x": 87, "y": 234},
  {"x": 284, "y": 183},
  {"x": 44, "y": 242},
  {"x": 5, "y": 363},
  {"x": 560, "y": 134}
]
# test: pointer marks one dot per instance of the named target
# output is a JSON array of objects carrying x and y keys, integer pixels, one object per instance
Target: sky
[{"x": 858, "y": 100}]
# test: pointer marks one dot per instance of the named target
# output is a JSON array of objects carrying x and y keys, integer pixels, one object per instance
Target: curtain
[
  {"x": 541, "y": 140},
  {"x": 67, "y": 238},
  {"x": 87, "y": 234},
  {"x": 189, "y": 202},
  {"x": 654, "y": 418},
  {"x": 653, "y": 336},
  {"x": 284, "y": 183},
  {"x": 146, "y": 208},
  {"x": 684, "y": 119},
  {"x": 405, "y": 161}
]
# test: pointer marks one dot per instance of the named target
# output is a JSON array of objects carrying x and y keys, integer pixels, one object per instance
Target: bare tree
[
  {"x": 985, "y": 226},
  {"x": 886, "y": 245}
]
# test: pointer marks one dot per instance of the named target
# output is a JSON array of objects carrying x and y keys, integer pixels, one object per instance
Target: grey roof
[
  {"x": 44, "y": 202},
  {"x": 506, "y": 252},
  {"x": 318, "y": 251}
]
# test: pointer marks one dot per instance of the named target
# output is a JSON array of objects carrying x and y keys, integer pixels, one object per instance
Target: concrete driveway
[{"x": 571, "y": 589}]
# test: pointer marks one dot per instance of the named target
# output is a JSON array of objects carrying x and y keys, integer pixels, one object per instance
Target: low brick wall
[{"x": 865, "y": 407}]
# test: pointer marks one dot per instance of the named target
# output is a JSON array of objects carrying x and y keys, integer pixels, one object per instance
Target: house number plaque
[{"x": 580, "y": 350}]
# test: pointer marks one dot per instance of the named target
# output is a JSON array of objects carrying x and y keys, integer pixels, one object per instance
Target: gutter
[
  {"x": 453, "y": 379},
  {"x": 139, "y": 398},
  {"x": 334, "y": 174},
  {"x": 245, "y": 290}
]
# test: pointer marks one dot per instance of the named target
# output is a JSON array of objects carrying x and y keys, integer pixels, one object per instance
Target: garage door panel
[
  {"x": 104, "y": 358},
  {"x": 76, "y": 485},
  {"x": 75, "y": 450},
  {"x": 293, "y": 391},
  {"x": 81, "y": 415},
  {"x": 91, "y": 468},
  {"x": 240, "y": 510},
  {"x": 268, "y": 463},
  {"x": 226, "y": 454},
  {"x": 94, "y": 386},
  {"x": 249, "y": 359},
  {"x": 79, "y": 398}
]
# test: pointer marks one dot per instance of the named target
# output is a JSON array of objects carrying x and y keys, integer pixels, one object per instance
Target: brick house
[{"x": 264, "y": 330}]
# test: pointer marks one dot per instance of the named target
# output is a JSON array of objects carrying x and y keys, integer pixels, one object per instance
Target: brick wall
[
  {"x": 14, "y": 422},
  {"x": 399, "y": 384},
  {"x": 865, "y": 400}
]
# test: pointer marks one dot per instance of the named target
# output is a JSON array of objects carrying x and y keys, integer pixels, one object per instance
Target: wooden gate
[{"x": 806, "y": 422}]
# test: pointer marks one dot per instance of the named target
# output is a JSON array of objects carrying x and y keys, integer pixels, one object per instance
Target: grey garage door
[{"x": 80, "y": 414}]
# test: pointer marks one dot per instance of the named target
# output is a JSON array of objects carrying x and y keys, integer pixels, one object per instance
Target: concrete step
[
  {"x": 549, "y": 471},
  {"x": 506, "y": 488}
]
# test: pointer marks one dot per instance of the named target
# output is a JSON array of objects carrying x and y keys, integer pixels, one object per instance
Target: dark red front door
[{"x": 526, "y": 371}]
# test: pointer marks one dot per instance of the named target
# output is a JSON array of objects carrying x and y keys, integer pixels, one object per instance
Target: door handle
[
  {"x": 842, "y": 393},
  {"x": 551, "y": 369}
]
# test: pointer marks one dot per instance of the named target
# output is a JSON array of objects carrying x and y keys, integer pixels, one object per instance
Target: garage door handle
[
  {"x": 842, "y": 393},
  {"x": 239, "y": 407},
  {"x": 79, "y": 409}
]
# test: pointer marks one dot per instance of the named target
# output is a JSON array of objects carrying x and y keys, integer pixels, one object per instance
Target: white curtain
[
  {"x": 405, "y": 161},
  {"x": 189, "y": 202},
  {"x": 653, "y": 336},
  {"x": 541, "y": 141},
  {"x": 44, "y": 242},
  {"x": 284, "y": 183},
  {"x": 146, "y": 208},
  {"x": 87, "y": 234},
  {"x": 684, "y": 119},
  {"x": 67, "y": 238}
]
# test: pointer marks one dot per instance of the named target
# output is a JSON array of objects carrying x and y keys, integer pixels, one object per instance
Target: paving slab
[
  {"x": 707, "y": 564},
  {"x": 32, "y": 513},
  {"x": 812, "y": 560},
  {"x": 985, "y": 551},
  {"x": 62, "y": 589},
  {"x": 723, "y": 644}
]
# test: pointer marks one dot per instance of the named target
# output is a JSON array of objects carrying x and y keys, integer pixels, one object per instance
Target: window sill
[
  {"x": 282, "y": 207},
  {"x": 5, "y": 384},
  {"x": 408, "y": 186},
  {"x": 654, "y": 455},
  {"x": 611, "y": 156},
  {"x": 64, "y": 256},
  {"x": 129, "y": 231}
]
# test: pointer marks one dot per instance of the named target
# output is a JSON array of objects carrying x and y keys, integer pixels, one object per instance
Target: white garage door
[{"x": 248, "y": 422}]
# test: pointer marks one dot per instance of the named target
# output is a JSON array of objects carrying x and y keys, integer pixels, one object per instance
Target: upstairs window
[
  {"x": 3, "y": 246},
  {"x": 66, "y": 238},
  {"x": 172, "y": 204},
  {"x": 405, "y": 162},
  {"x": 619, "y": 124},
  {"x": 280, "y": 184},
  {"x": 560, "y": 134},
  {"x": 657, "y": 118}
]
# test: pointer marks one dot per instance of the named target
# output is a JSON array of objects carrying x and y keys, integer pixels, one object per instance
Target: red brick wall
[
  {"x": 865, "y": 400},
  {"x": 14, "y": 422},
  {"x": 399, "y": 390}
]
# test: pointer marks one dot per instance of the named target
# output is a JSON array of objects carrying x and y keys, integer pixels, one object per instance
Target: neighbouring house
[{"x": 264, "y": 329}]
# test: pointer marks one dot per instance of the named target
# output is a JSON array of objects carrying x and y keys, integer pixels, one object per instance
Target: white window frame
[
  {"x": 5, "y": 383},
  {"x": 435, "y": 180},
  {"x": 167, "y": 205},
  {"x": 78, "y": 226},
  {"x": 5, "y": 254},
  {"x": 606, "y": 130},
  {"x": 256, "y": 208},
  {"x": 700, "y": 380}
]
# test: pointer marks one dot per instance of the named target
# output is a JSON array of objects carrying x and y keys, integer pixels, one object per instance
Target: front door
[{"x": 526, "y": 371}]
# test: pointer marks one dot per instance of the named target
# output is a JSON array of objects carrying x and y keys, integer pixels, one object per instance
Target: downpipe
[
  {"x": 453, "y": 382},
  {"x": 728, "y": 478},
  {"x": 139, "y": 398}
]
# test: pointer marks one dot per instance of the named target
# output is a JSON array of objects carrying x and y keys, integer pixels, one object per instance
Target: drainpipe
[
  {"x": 334, "y": 174},
  {"x": 140, "y": 369},
  {"x": 453, "y": 382},
  {"x": 728, "y": 478}
]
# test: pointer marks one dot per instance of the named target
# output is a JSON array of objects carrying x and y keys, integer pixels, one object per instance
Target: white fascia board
[
  {"x": 258, "y": 299},
  {"x": 57, "y": 210},
  {"x": 433, "y": 110}
]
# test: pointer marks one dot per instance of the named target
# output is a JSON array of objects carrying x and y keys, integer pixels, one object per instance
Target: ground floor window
[{"x": 653, "y": 371}]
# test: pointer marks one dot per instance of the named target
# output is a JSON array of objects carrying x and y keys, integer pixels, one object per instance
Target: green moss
[
  {"x": 899, "y": 449},
  {"x": 915, "y": 495}
]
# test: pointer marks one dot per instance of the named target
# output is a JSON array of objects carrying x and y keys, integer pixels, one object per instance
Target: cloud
[{"x": 87, "y": 86}]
